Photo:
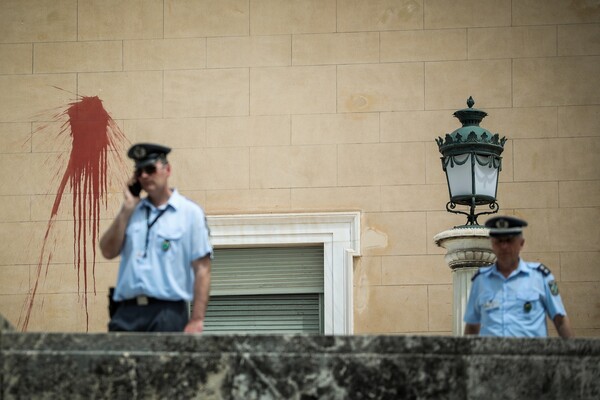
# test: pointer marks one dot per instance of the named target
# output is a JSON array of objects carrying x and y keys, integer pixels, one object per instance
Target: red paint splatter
[{"x": 94, "y": 136}]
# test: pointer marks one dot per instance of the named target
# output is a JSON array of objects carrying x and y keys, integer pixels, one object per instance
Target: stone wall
[{"x": 175, "y": 366}]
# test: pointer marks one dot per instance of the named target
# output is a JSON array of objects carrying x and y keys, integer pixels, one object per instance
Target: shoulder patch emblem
[
  {"x": 553, "y": 288},
  {"x": 543, "y": 269}
]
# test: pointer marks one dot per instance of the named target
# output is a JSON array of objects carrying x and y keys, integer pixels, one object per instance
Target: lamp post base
[{"x": 468, "y": 248}]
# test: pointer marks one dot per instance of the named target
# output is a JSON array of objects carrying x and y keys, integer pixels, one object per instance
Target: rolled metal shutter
[{"x": 266, "y": 290}]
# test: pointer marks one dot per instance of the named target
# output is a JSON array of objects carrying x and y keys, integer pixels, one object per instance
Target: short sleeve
[
  {"x": 472, "y": 311},
  {"x": 201, "y": 246},
  {"x": 552, "y": 300}
]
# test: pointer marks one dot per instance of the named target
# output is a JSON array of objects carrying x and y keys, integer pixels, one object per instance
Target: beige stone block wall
[
  {"x": 38, "y": 21},
  {"x": 552, "y": 159},
  {"x": 487, "y": 80},
  {"x": 415, "y": 126},
  {"x": 164, "y": 54},
  {"x": 77, "y": 57},
  {"x": 292, "y": 166},
  {"x": 206, "y": 92},
  {"x": 133, "y": 94},
  {"x": 541, "y": 12},
  {"x": 562, "y": 81},
  {"x": 379, "y": 15},
  {"x": 425, "y": 45},
  {"x": 579, "y": 194},
  {"x": 382, "y": 314},
  {"x": 467, "y": 13},
  {"x": 205, "y": 18},
  {"x": 335, "y": 128},
  {"x": 248, "y": 131},
  {"x": 332, "y": 199},
  {"x": 576, "y": 121},
  {"x": 272, "y": 17},
  {"x": 15, "y": 58},
  {"x": 335, "y": 48},
  {"x": 215, "y": 168},
  {"x": 112, "y": 19},
  {"x": 512, "y": 42},
  {"x": 292, "y": 90},
  {"x": 578, "y": 40},
  {"x": 380, "y": 87},
  {"x": 378, "y": 164},
  {"x": 183, "y": 133},
  {"x": 526, "y": 122},
  {"x": 307, "y": 106},
  {"x": 27, "y": 97},
  {"x": 249, "y": 51},
  {"x": 251, "y": 200},
  {"x": 15, "y": 137}
]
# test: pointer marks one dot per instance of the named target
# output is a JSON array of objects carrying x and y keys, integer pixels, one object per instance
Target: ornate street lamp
[{"x": 471, "y": 160}]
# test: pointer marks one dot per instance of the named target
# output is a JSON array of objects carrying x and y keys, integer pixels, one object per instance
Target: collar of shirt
[
  {"x": 174, "y": 201},
  {"x": 521, "y": 269}
]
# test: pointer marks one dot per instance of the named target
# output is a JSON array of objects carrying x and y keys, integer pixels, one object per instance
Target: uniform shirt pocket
[
  {"x": 134, "y": 238},
  {"x": 527, "y": 304},
  {"x": 168, "y": 243},
  {"x": 490, "y": 308}
]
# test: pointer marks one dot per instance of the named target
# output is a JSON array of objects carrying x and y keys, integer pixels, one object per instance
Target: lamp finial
[{"x": 470, "y": 102}]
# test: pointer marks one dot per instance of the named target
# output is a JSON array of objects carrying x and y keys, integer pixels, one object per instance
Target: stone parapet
[
  {"x": 5, "y": 324},
  {"x": 177, "y": 366}
]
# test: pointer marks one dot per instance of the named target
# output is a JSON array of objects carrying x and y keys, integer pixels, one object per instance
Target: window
[
  {"x": 337, "y": 234},
  {"x": 266, "y": 290}
]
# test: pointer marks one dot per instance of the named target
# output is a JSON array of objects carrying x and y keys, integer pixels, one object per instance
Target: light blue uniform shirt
[
  {"x": 163, "y": 270},
  {"x": 515, "y": 306}
]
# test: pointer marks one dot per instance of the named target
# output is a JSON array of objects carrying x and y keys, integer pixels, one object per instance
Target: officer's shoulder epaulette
[
  {"x": 480, "y": 271},
  {"x": 543, "y": 269}
]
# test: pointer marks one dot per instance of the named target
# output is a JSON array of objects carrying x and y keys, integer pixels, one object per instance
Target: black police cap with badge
[
  {"x": 505, "y": 226},
  {"x": 147, "y": 154}
]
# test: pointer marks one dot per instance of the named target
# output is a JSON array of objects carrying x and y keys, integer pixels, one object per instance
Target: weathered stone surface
[
  {"x": 175, "y": 366},
  {"x": 5, "y": 325}
]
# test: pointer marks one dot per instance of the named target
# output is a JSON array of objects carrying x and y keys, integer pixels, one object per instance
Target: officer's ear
[{"x": 166, "y": 166}]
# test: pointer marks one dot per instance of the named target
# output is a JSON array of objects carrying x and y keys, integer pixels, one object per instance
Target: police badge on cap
[
  {"x": 147, "y": 153},
  {"x": 505, "y": 226}
]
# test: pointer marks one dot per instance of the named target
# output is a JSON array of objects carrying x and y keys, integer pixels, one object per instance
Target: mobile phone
[{"x": 135, "y": 188}]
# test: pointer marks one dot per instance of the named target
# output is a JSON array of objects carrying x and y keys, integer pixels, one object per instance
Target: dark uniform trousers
[{"x": 155, "y": 316}]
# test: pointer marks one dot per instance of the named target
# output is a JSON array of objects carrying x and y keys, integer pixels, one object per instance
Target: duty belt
[{"x": 145, "y": 300}]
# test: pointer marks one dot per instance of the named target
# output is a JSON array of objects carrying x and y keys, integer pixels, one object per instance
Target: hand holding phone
[{"x": 135, "y": 188}]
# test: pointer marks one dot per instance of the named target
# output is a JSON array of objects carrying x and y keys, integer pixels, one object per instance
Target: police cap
[
  {"x": 147, "y": 153},
  {"x": 505, "y": 226}
]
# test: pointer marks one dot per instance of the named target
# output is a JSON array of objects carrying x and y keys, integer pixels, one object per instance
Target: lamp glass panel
[
  {"x": 459, "y": 176},
  {"x": 486, "y": 179}
]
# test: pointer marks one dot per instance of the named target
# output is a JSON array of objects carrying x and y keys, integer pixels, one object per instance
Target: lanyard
[{"x": 150, "y": 225}]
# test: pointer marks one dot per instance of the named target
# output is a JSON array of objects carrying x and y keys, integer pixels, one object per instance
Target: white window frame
[{"x": 339, "y": 232}]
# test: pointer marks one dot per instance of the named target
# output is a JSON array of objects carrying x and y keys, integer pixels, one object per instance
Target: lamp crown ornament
[
  {"x": 470, "y": 133},
  {"x": 471, "y": 160}
]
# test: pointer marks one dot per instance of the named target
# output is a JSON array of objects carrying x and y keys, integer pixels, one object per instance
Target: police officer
[
  {"x": 163, "y": 240},
  {"x": 512, "y": 297}
]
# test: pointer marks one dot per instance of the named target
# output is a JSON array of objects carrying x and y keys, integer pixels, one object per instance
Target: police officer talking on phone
[
  {"x": 163, "y": 241},
  {"x": 512, "y": 297}
]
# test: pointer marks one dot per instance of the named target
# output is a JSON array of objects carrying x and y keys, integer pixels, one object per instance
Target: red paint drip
[{"x": 94, "y": 134}]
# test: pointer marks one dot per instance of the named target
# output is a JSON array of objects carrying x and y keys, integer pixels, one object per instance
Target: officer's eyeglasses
[{"x": 148, "y": 169}]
